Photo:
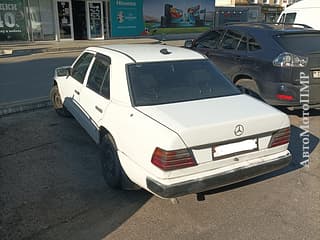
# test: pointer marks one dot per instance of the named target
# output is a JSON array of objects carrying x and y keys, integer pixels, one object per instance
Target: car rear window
[
  {"x": 304, "y": 42},
  {"x": 176, "y": 81}
]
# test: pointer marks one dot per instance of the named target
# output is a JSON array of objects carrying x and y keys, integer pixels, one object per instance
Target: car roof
[
  {"x": 270, "y": 28},
  {"x": 153, "y": 52}
]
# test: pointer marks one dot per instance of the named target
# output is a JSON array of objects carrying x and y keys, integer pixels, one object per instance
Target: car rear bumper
[
  {"x": 300, "y": 94},
  {"x": 218, "y": 180}
]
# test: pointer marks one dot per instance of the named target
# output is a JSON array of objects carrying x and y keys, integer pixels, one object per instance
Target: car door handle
[
  {"x": 77, "y": 92},
  {"x": 98, "y": 109}
]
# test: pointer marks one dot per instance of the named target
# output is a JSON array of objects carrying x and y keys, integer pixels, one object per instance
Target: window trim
[
  {"x": 107, "y": 59},
  {"x": 209, "y": 32},
  {"x": 131, "y": 92},
  {"x": 242, "y": 34},
  {"x": 89, "y": 66},
  {"x": 255, "y": 40}
]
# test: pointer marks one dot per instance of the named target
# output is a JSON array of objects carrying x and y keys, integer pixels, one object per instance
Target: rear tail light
[
  {"x": 290, "y": 60},
  {"x": 171, "y": 160},
  {"x": 280, "y": 137},
  {"x": 284, "y": 97}
]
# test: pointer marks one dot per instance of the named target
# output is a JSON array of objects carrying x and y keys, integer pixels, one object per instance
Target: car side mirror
[
  {"x": 188, "y": 44},
  {"x": 63, "y": 71}
]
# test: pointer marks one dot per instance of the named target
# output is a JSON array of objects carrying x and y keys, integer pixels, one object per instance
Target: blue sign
[{"x": 126, "y": 17}]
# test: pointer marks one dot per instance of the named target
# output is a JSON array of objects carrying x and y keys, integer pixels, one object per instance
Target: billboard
[
  {"x": 126, "y": 17},
  {"x": 163, "y": 16},
  {"x": 12, "y": 20}
]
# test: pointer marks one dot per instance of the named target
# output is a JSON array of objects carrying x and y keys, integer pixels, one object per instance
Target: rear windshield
[
  {"x": 177, "y": 81},
  {"x": 305, "y": 43}
]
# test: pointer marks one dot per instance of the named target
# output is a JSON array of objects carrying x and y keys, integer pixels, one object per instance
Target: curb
[
  {"x": 5, "y": 53},
  {"x": 22, "y": 106},
  {"x": 76, "y": 47}
]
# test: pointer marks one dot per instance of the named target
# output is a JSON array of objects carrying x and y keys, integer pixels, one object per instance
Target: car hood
[{"x": 214, "y": 120}]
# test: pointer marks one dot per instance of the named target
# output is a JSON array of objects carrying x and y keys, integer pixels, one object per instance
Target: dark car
[{"x": 280, "y": 64}]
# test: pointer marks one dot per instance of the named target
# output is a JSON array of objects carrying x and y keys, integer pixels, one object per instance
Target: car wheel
[
  {"x": 249, "y": 87},
  {"x": 57, "y": 103},
  {"x": 112, "y": 171}
]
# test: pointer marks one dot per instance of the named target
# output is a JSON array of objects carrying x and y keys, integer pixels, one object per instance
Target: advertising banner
[
  {"x": 12, "y": 20},
  {"x": 126, "y": 17},
  {"x": 176, "y": 16}
]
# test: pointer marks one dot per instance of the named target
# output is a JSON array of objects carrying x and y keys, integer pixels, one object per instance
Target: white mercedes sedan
[{"x": 168, "y": 121}]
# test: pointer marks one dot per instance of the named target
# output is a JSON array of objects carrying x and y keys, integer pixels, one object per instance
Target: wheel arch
[
  {"x": 104, "y": 132},
  {"x": 241, "y": 76}
]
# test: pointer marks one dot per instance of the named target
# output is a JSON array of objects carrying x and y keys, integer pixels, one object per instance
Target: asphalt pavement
[
  {"x": 30, "y": 77},
  {"x": 51, "y": 187},
  {"x": 27, "y": 73}
]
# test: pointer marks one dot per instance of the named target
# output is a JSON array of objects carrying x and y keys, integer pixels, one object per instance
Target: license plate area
[
  {"x": 316, "y": 74},
  {"x": 233, "y": 149}
]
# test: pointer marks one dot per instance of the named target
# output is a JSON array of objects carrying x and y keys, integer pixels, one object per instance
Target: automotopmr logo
[{"x": 304, "y": 80}]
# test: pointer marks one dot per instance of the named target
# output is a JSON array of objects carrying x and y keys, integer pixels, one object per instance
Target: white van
[{"x": 303, "y": 12}]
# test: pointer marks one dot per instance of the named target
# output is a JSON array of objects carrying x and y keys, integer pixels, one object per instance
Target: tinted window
[
  {"x": 243, "y": 44},
  {"x": 80, "y": 68},
  {"x": 253, "y": 45},
  {"x": 290, "y": 17},
  {"x": 210, "y": 40},
  {"x": 177, "y": 81},
  {"x": 230, "y": 40},
  {"x": 282, "y": 18},
  {"x": 99, "y": 78},
  {"x": 304, "y": 42}
]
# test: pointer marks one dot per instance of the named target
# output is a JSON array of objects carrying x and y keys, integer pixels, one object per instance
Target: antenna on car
[{"x": 165, "y": 51}]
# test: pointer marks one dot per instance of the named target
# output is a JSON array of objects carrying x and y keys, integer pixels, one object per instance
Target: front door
[
  {"x": 73, "y": 85},
  {"x": 64, "y": 20},
  {"x": 95, "y": 95},
  {"x": 95, "y": 26}
]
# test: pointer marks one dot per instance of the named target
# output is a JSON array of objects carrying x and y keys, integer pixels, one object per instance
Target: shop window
[{"x": 41, "y": 20}]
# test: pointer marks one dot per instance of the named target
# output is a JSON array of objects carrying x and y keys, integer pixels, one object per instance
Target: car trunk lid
[{"x": 215, "y": 120}]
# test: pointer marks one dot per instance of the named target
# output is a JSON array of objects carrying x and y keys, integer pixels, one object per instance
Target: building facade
[
  {"x": 53, "y": 19},
  {"x": 63, "y": 20},
  {"x": 249, "y": 10}
]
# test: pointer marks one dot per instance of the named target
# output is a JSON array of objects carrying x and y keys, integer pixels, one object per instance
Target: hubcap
[{"x": 57, "y": 100}]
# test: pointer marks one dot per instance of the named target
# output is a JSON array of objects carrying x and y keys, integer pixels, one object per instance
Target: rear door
[
  {"x": 232, "y": 52},
  {"x": 226, "y": 49},
  {"x": 208, "y": 45},
  {"x": 95, "y": 95}
]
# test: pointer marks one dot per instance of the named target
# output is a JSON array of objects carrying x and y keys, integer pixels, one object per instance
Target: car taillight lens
[
  {"x": 280, "y": 137},
  {"x": 290, "y": 60},
  {"x": 171, "y": 160},
  {"x": 284, "y": 97}
]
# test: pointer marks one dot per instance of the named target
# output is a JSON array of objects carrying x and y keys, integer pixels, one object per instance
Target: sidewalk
[{"x": 12, "y": 49}]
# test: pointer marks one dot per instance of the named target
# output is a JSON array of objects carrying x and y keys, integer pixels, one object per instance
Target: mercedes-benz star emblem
[{"x": 238, "y": 130}]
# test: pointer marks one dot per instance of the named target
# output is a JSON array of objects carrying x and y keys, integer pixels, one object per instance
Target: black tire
[
  {"x": 112, "y": 171},
  {"x": 57, "y": 103},
  {"x": 249, "y": 87}
]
